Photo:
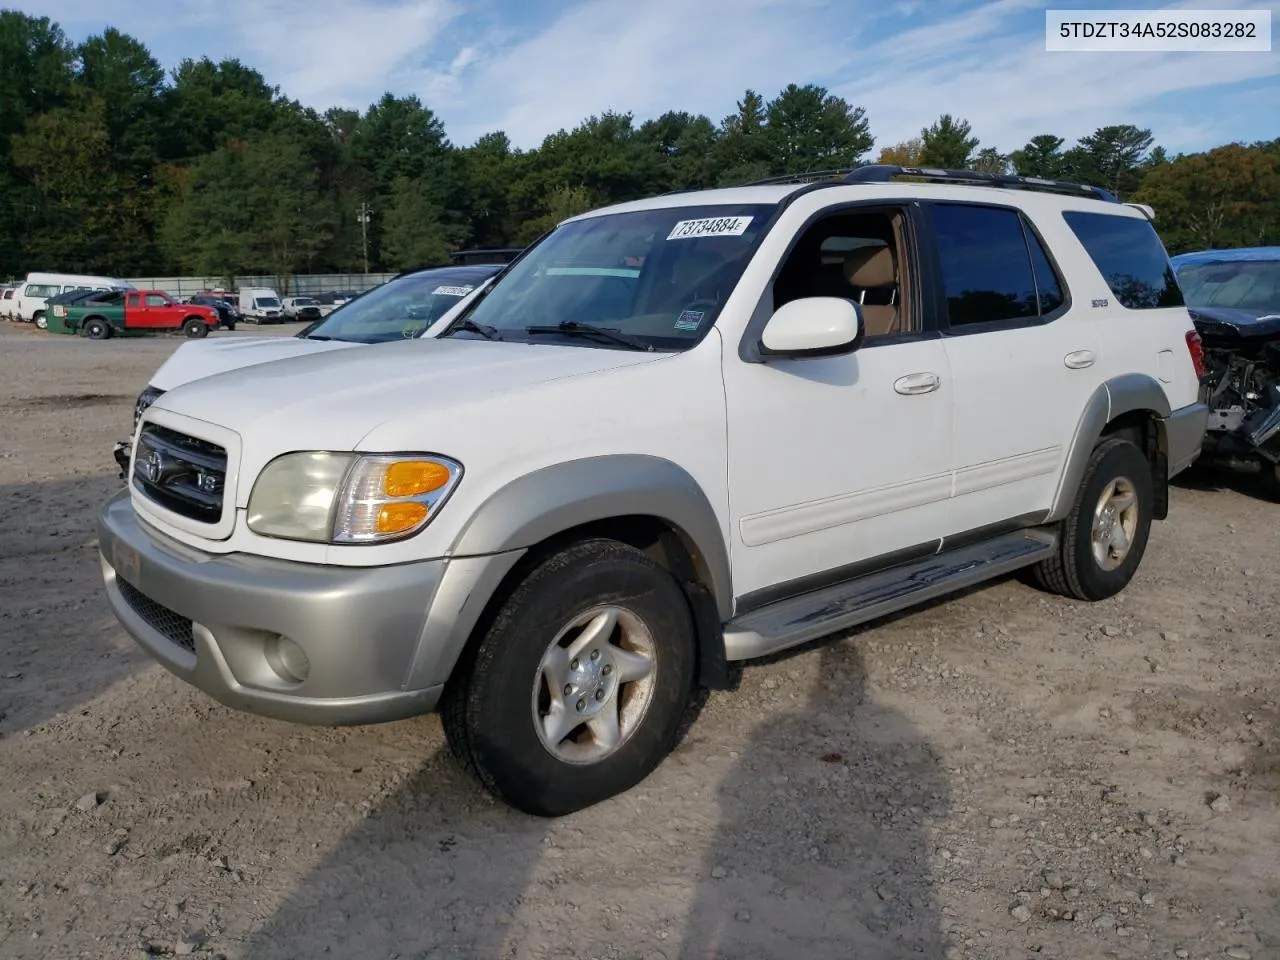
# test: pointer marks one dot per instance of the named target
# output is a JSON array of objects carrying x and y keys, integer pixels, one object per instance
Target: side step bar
[{"x": 797, "y": 620}]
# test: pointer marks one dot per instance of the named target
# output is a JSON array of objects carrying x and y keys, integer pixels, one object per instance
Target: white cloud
[{"x": 481, "y": 68}]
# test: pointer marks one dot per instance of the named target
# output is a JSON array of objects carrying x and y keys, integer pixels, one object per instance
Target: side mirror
[{"x": 813, "y": 327}]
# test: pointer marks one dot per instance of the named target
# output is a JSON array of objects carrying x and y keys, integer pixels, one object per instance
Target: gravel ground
[{"x": 1004, "y": 774}]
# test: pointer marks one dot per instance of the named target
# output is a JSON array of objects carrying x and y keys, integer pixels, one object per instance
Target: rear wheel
[
  {"x": 195, "y": 328},
  {"x": 1102, "y": 540},
  {"x": 576, "y": 690},
  {"x": 96, "y": 329}
]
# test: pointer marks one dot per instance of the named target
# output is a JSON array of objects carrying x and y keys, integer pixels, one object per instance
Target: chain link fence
[{"x": 303, "y": 285}]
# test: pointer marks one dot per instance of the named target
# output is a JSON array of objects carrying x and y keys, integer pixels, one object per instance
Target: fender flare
[
  {"x": 1114, "y": 398},
  {"x": 559, "y": 497}
]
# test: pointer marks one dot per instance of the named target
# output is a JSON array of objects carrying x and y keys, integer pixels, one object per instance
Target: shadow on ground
[
  {"x": 60, "y": 646},
  {"x": 815, "y": 844}
]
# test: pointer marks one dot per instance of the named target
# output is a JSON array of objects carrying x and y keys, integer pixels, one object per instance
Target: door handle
[
  {"x": 916, "y": 383},
  {"x": 1079, "y": 359}
]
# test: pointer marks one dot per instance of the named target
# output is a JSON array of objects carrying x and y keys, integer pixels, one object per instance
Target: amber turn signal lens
[
  {"x": 412, "y": 478},
  {"x": 396, "y": 517}
]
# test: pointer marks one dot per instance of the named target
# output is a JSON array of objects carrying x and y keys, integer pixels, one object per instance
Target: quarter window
[{"x": 1129, "y": 255}]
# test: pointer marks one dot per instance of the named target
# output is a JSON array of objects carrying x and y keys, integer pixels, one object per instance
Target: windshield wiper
[
  {"x": 574, "y": 328},
  {"x": 466, "y": 323},
  {"x": 312, "y": 336}
]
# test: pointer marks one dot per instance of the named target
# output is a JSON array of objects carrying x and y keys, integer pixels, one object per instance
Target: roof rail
[
  {"x": 886, "y": 172},
  {"x": 808, "y": 177}
]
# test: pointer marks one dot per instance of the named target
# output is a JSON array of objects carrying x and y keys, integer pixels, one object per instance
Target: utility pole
[{"x": 363, "y": 214}]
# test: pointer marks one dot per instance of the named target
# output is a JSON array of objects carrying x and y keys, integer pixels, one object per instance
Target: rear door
[{"x": 1021, "y": 360}]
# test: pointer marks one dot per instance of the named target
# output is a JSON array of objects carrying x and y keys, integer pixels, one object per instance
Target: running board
[{"x": 797, "y": 620}]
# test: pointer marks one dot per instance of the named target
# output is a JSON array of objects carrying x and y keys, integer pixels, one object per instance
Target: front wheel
[
  {"x": 40, "y": 320},
  {"x": 1102, "y": 540},
  {"x": 195, "y": 328},
  {"x": 576, "y": 690}
]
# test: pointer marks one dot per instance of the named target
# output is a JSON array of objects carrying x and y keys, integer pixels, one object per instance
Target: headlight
[
  {"x": 145, "y": 399},
  {"x": 349, "y": 498}
]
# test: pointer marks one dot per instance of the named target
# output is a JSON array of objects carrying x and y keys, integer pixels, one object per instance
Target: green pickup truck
[{"x": 113, "y": 312}]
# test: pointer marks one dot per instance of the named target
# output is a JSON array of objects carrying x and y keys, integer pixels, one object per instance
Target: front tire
[
  {"x": 1103, "y": 538},
  {"x": 195, "y": 328},
  {"x": 40, "y": 321},
  {"x": 576, "y": 691}
]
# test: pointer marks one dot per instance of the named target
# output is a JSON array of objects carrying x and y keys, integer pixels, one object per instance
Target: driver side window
[{"x": 858, "y": 256}]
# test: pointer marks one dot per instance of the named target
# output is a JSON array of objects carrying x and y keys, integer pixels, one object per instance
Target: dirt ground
[{"x": 1001, "y": 775}]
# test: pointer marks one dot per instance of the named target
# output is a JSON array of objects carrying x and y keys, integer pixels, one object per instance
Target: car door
[
  {"x": 160, "y": 313},
  {"x": 839, "y": 463},
  {"x": 1020, "y": 365}
]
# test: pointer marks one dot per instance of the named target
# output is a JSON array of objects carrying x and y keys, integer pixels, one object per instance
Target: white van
[
  {"x": 261, "y": 305},
  {"x": 30, "y": 297}
]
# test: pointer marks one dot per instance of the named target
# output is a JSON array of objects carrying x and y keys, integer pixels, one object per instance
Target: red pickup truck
[{"x": 117, "y": 311}]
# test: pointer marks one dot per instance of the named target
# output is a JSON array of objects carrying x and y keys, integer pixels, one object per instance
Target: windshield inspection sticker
[
  {"x": 689, "y": 320},
  {"x": 451, "y": 291},
  {"x": 710, "y": 227}
]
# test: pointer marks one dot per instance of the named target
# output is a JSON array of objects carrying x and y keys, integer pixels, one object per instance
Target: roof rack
[{"x": 885, "y": 172}]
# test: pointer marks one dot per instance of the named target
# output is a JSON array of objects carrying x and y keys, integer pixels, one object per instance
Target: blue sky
[{"x": 530, "y": 67}]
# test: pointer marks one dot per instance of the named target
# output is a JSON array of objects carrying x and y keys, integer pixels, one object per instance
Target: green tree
[
  {"x": 1225, "y": 197},
  {"x": 947, "y": 143},
  {"x": 90, "y": 215},
  {"x": 210, "y": 103},
  {"x": 742, "y": 152},
  {"x": 563, "y": 203},
  {"x": 990, "y": 160},
  {"x": 416, "y": 233},
  {"x": 1041, "y": 157},
  {"x": 1115, "y": 154},
  {"x": 685, "y": 144},
  {"x": 810, "y": 129}
]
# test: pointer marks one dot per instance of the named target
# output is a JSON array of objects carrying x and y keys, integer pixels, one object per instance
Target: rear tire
[
  {"x": 96, "y": 329},
  {"x": 195, "y": 328},
  {"x": 1103, "y": 538},
  {"x": 577, "y": 688}
]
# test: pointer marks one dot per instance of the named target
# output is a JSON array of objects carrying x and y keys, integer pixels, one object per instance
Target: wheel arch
[
  {"x": 647, "y": 502},
  {"x": 1134, "y": 406}
]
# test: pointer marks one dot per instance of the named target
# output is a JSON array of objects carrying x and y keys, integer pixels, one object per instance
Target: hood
[
  {"x": 204, "y": 358},
  {"x": 334, "y": 398},
  {"x": 1227, "y": 323}
]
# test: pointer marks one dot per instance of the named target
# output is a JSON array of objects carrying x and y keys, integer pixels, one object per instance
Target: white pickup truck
[{"x": 676, "y": 434}]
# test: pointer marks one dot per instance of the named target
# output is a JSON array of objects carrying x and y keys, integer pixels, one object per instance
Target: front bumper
[
  {"x": 1184, "y": 431},
  {"x": 380, "y": 641}
]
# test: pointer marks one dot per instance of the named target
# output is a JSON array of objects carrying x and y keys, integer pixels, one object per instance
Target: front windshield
[
  {"x": 659, "y": 277},
  {"x": 267, "y": 302},
  {"x": 1251, "y": 285},
  {"x": 398, "y": 309},
  {"x": 303, "y": 302}
]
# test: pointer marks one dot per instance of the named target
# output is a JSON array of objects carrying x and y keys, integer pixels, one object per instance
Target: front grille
[
  {"x": 172, "y": 626},
  {"x": 181, "y": 473}
]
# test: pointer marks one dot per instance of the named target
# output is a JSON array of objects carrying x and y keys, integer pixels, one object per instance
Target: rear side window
[
  {"x": 1128, "y": 253},
  {"x": 993, "y": 267}
]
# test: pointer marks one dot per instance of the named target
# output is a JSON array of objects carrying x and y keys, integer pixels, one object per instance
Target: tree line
[{"x": 109, "y": 165}]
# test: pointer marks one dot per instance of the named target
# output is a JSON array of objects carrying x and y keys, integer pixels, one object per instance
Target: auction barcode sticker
[
  {"x": 710, "y": 227},
  {"x": 447, "y": 291},
  {"x": 1155, "y": 31}
]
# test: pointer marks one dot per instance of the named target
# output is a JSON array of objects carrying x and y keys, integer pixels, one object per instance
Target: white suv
[{"x": 674, "y": 434}]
